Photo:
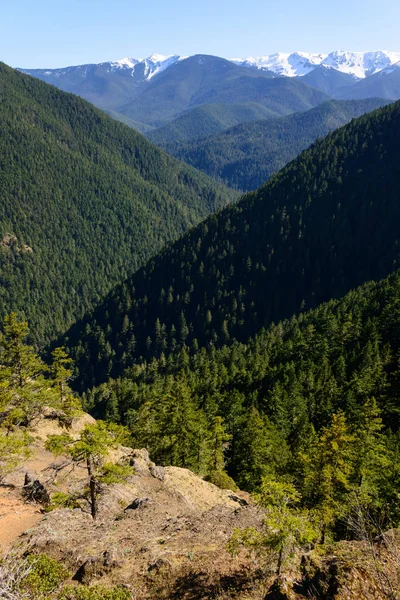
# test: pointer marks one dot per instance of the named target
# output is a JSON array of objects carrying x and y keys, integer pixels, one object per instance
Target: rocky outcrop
[{"x": 35, "y": 491}]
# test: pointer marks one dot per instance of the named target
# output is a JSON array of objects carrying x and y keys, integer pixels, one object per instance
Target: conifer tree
[
  {"x": 259, "y": 450},
  {"x": 371, "y": 454},
  {"x": 218, "y": 440},
  {"x": 61, "y": 373},
  {"x": 328, "y": 471},
  {"x": 90, "y": 449},
  {"x": 285, "y": 527}
]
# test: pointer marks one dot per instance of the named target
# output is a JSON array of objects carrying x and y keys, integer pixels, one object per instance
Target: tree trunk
[{"x": 92, "y": 487}]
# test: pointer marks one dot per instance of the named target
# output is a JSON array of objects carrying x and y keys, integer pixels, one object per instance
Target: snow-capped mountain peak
[
  {"x": 358, "y": 64},
  {"x": 361, "y": 64},
  {"x": 125, "y": 63},
  {"x": 290, "y": 65},
  {"x": 152, "y": 65}
]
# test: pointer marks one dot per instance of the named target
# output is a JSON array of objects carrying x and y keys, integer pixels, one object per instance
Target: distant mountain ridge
[
  {"x": 296, "y": 64},
  {"x": 244, "y": 156},
  {"x": 148, "y": 93}
]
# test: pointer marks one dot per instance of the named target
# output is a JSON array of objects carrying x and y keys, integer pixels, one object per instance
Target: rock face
[
  {"x": 138, "y": 503},
  {"x": 96, "y": 566},
  {"x": 163, "y": 528}
]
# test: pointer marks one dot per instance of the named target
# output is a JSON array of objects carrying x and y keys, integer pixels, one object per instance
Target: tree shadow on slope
[{"x": 202, "y": 585}]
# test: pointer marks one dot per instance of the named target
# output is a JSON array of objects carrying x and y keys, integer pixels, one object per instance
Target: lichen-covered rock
[
  {"x": 157, "y": 472},
  {"x": 159, "y": 564}
]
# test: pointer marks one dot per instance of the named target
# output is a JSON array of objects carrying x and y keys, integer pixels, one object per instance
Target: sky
[{"x": 57, "y": 33}]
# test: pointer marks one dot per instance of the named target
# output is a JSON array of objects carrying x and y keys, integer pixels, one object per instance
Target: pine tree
[
  {"x": 259, "y": 450},
  {"x": 90, "y": 449},
  {"x": 371, "y": 454},
  {"x": 61, "y": 373},
  {"x": 218, "y": 440},
  {"x": 328, "y": 471},
  {"x": 285, "y": 528}
]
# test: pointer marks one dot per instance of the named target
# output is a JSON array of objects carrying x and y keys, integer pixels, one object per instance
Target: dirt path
[{"x": 15, "y": 517}]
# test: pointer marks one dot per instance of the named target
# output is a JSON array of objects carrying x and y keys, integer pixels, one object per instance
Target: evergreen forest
[
  {"x": 84, "y": 202},
  {"x": 253, "y": 340},
  {"x": 323, "y": 225},
  {"x": 246, "y": 155}
]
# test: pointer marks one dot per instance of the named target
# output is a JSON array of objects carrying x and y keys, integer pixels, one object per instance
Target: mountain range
[
  {"x": 148, "y": 93},
  {"x": 297, "y": 64},
  {"x": 223, "y": 334}
]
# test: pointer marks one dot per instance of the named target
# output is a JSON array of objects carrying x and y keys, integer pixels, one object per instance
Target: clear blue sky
[{"x": 55, "y": 33}]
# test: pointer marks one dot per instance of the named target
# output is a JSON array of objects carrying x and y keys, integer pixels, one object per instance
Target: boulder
[
  {"x": 139, "y": 503},
  {"x": 34, "y": 491}
]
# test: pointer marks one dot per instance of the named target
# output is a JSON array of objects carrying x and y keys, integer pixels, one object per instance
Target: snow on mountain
[
  {"x": 290, "y": 65},
  {"x": 358, "y": 64},
  {"x": 125, "y": 63},
  {"x": 393, "y": 68},
  {"x": 361, "y": 64},
  {"x": 152, "y": 65},
  {"x": 297, "y": 64}
]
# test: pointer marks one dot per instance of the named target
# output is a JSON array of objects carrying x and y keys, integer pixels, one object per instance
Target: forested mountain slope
[
  {"x": 327, "y": 222},
  {"x": 276, "y": 390},
  {"x": 204, "y": 79},
  {"x": 245, "y": 156},
  {"x": 84, "y": 201},
  {"x": 206, "y": 120},
  {"x": 384, "y": 84}
]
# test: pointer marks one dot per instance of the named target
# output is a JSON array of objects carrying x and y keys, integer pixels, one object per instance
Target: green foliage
[
  {"x": 45, "y": 577},
  {"x": 61, "y": 372},
  {"x": 217, "y": 443},
  {"x": 39, "y": 577},
  {"x": 27, "y": 388},
  {"x": 219, "y": 439},
  {"x": 313, "y": 232},
  {"x": 260, "y": 450},
  {"x": 313, "y": 399},
  {"x": 13, "y": 451},
  {"x": 328, "y": 469},
  {"x": 23, "y": 389},
  {"x": 221, "y": 479},
  {"x": 95, "y": 592},
  {"x": 62, "y": 500},
  {"x": 113, "y": 473},
  {"x": 94, "y": 443},
  {"x": 286, "y": 529},
  {"x": 205, "y": 120},
  {"x": 246, "y": 155},
  {"x": 85, "y": 202},
  {"x": 170, "y": 426}
]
